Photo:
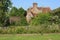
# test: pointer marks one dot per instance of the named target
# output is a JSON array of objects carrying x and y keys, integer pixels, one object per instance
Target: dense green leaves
[
  {"x": 21, "y": 13},
  {"x": 4, "y": 6},
  {"x": 14, "y": 11},
  {"x": 55, "y": 16},
  {"x": 41, "y": 19},
  {"x": 17, "y": 12}
]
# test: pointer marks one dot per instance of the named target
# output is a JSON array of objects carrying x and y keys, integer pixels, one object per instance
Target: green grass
[{"x": 29, "y": 37}]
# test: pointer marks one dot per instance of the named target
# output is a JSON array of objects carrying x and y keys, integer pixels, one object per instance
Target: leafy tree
[
  {"x": 14, "y": 11},
  {"x": 56, "y": 11},
  {"x": 17, "y": 12},
  {"x": 55, "y": 16},
  {"x": 4, "y": 6},
  {"x": 41, "y": 19},
  {"x": 22, "y": 12}
]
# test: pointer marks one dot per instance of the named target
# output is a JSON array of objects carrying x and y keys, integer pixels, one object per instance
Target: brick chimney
[{"x": 34, "y": 5}]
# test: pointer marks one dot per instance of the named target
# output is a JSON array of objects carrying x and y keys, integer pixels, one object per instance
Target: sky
[{"x": 53, "y": 4}]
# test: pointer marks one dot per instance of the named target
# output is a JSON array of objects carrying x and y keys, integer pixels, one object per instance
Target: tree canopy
[
  {"x": 4, "y": 7},
  {"x": 41, "y": 19}
]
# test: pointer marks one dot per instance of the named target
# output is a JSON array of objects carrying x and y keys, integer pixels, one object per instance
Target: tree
[
  {"x": 14, "y": 11},
  {"x": 22, "y": 12},
  {"x": 55, "y": 16},
  {"x": 17, "y": 12},
  {"x": 56, "y": 11},
  {"x": 42, "y": 18},
  {"x": 4, "y": 7}
]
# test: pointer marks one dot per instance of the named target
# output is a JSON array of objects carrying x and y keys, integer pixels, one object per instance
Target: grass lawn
[{"x": 29, "y": 37}]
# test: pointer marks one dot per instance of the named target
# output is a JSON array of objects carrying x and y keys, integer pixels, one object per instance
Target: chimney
[{"x": 34, "y": 4}]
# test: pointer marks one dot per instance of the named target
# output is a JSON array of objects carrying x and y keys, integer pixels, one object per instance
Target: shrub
[
  {"x": 41, "y": 19},
  {"x": 30, "y": 29}
]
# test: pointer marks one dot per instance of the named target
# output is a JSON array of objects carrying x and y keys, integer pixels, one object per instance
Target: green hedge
[{"x": 30, "y": 29}]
